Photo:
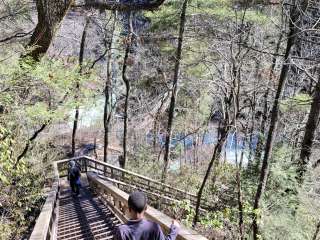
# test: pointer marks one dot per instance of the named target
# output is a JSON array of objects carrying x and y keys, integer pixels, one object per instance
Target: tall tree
[
  {"x": 174, "y": 92},
  {"x": 223, "y": 132},
  {"x": 309, "y": 33},
  {"x": 77, "y": 90},
  {"x": 310, "y": 131},
  {"x": 265, "y": 113},
  {"x": 50, "y": 14},
  {"x": 107, "y": 106},
  {"x": 125, "y": 79},
  {"x": 291, "y": 37}
]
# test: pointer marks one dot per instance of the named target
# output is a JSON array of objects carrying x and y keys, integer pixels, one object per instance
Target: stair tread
[{"x": 84, "y": 217}]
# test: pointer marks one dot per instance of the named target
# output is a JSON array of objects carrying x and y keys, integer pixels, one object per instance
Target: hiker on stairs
[
  {"x": 74, "y": 174},
  {"x": 138, "y": 228}
]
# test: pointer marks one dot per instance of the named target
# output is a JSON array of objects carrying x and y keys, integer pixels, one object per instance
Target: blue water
[{"x": 210, "y": 138}]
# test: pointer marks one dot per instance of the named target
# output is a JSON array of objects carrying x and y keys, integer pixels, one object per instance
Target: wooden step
[{"x": 84, "y": 217}]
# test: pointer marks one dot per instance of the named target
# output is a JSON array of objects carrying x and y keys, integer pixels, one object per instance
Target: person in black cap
[{"x": 138, "y": 228}]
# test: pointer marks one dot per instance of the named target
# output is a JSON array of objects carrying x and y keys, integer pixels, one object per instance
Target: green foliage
[
  {"x": 284, "y": 212},
  {"x": 144, "y": 163},
  {"x": 183, "y": 211},
  {"x": 40, "y": 93},
  {"x": 225, "y": 9},
  {"x": 188, "y": 178},
  {"x": 32, "y": 94},
  {"x": 223, "y": 13},
  {"x": 167, "y": 48},
  {"x": 162, "y": 20},
  {"x": 6, "y": 162},
  {"x": 282, "y": 182},
  {"x": 298, "y": 103},
  {"x": 213, "y": 219},
  {"x": 20, "y": 190},
  {"x": 221, "y": 9},
  {"x": 35, "y": 86}
]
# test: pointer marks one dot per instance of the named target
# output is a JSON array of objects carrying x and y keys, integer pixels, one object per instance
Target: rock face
[{"x": 66, "y": 42}]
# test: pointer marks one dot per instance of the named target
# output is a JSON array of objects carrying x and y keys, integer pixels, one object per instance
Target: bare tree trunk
[
  {"x": 239, "y": 190},
  {"x": 265, "y": 106},
  {"x": 155, "y": 134},
  {"x": 316, "y": 232},
  {"x": 216, "y": 154},
  {"x": 95, "y": 148},
  {"x": 106, "y": 121},
  {"x": 75, "y": 126},
  {"x": 194, "y": 150},
  {"x": 240, "y": 202},
  {"x": 263, "y": 125},
  {"x": 50, "y": 14},
  {"x": 185, "y": 145},
  {"x": 274, "y": 121},
  {"x": 156, "y": 121},
  {"x": 166, "y": 158},
  {"x": 252, "y": 129},
  {"x": 107, "y": 113},
  {"x": 311, "y": 127},
  {"x": 294, "y": 145},
  {"x": 125, "y": 117},
  {"x": 127, "y": 85},
  {"x": 77, "y": 93}
]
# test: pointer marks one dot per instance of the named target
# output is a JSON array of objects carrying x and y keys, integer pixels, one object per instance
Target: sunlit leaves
[
  {"x": 44, "y": 91},
  {"x": 298, "y": 103},
  {"x": 20, "y": 187}
]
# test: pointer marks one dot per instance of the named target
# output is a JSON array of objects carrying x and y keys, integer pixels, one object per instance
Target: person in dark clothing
[
  {"x": 138, "y": 228},
  {"x": 74, "y": 174}
]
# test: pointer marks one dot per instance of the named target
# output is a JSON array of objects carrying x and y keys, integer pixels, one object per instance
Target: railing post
[
  {"x": 85, "y": 165},
  {"x": 112, "y": 176}
]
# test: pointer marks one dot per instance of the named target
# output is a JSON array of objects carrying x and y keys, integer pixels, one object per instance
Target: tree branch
[
  {"x": 17, "y": 35},
  {"x": 26, "y": 148}
]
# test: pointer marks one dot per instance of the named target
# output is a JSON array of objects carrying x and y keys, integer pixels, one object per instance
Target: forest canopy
[{"x": 220, "y": 98}]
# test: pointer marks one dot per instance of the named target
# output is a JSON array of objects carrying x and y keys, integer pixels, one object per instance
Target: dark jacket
[
  {"x": 74, "y": 173},
  {"x": 144, "y": 230}
]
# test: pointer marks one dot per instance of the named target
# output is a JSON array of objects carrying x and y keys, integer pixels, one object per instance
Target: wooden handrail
[
  {"x": 44, "y": 228},
  {"x": 119, "y": 200},
  {"x": 152, "y": 184},
  {"x": 124, "y": 171}
]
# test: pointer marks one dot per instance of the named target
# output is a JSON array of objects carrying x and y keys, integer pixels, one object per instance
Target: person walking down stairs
[
  {"x": 74, "y": 174},
  {"x": 138, "y": 228}
]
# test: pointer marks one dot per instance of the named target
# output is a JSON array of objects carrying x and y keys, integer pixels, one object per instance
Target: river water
[{"x": 93, "y": 115}]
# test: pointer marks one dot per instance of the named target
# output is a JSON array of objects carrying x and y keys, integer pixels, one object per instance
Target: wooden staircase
[
  {"x": 102, "y": 203},
  {"x": 83, "y": 217}
]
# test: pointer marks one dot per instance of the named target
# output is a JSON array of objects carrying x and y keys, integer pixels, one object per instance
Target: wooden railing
[
  {"x": 118, "y": 200},
  {"x": 45, "y": 224},
  {"x": 128, "y": 181}
]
